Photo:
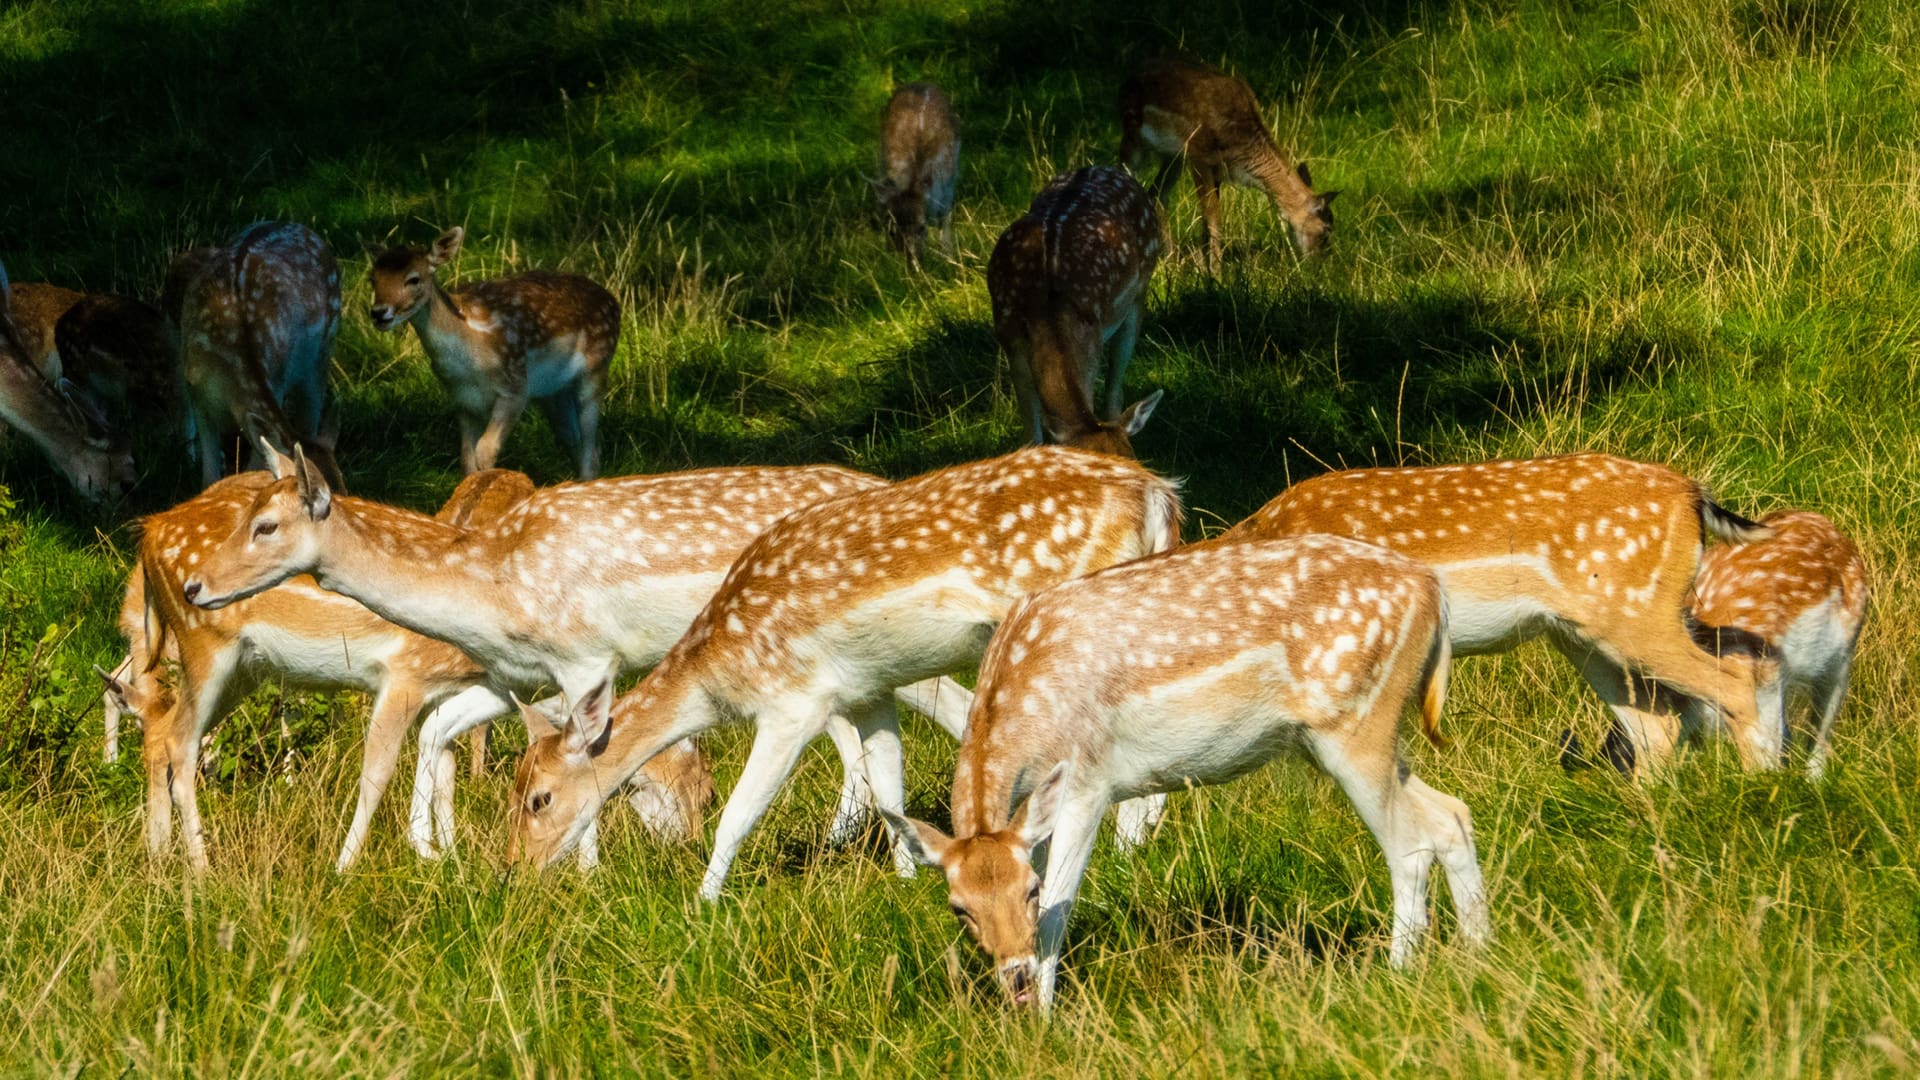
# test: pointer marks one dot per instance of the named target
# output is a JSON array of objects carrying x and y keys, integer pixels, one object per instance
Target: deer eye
[
  {"x": 1033, "y": 893},
  {"x": 265, "y": 528},
  {"x": 960, "y": 913},
  {"x": 539, "y": 801},
  {"x": 413, "y": 279}
]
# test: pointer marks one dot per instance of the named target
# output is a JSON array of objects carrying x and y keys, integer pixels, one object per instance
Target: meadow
[{"x": 1679, "y": 230}]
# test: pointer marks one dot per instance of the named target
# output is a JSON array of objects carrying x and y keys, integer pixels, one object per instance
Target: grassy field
[{"x": 1683, "y": 231}]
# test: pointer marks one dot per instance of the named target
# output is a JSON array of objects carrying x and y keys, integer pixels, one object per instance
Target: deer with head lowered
[
  {"x": 31, "y": 405},
  {"x": 1595, "y": 553},
  {"x": 920, "y": 164},
  {"x": 541, "y": 336},
  {"x": 310, "y": 638},
  {"x": 107, "y": 355},
  {"x": 1195, "y": 667},
  {"x": 1069, "y": 283},
  {"x": 1178, "y": 109},
  {"x": 828, "y": 611},
  {"x": 256, "y": 325},
  {"x": 576, "y": 580}
]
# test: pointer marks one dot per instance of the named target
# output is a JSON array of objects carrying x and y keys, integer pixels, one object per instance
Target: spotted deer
[
  {"x": 1178, "y": 109},
  {"x": 920, "y": 164},
  {"x": 541, "y": 336},
  {"x": 829, "y": 610},
  {"x": 1069, "y": 281},
  {"x": 35, "y": 308},
  {"x": 31, "y": 405},
  {"x": 257, "y": 325},
  {"x": 313, "y": 639},
  {"x": 1196, "y": 667},
  {"x": 575, "y": 580},
  {"x": 1787, "y": 610},
  {"x": 105, "y": 355},
  {"x": 1595, "y": 553}
]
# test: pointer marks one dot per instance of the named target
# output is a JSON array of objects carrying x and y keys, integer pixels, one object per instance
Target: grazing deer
[
  {"x": 1595, "y": 553},
  {"x": 35, "y": 308},
  {"x": 920, "y": 163},
  {"x": 1196, "y": 667},
  {"x": 575, "y": 580},
  {"x": 31, "y": 405},
  {"x": 1788, "y": 609},
  {"x": 1179, "y": 109},
  {"x": 827, "y": 612},
  {"x": 107, "y": 356},
  {"x": 256, "y": 333},
  {"x": 540, "y": 335},
  {"x": 1069, "y": 280}
]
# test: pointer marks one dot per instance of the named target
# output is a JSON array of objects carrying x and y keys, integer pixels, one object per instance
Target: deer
[
  {"x": 106, "y": 355},
  {"x": 257, "y": 325},
  {"x": 35, "y": 307},
  {"x": 1068, "y": 281},
  {"x": 33, "y": 406},
  {"x": 1178, "y": 109},
  {"x": 577, "y": 580},
  {"x": 1595, "y": 553},
  {"x": 830, "y": 609},
  {"x": 541, "y": 335},
  {"x": 313, "y": 639},
  {"x": 920, "y": 164},
  {"x": 1188, "y": 668}
]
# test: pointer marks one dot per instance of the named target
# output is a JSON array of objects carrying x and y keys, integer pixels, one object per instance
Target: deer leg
[
  {"x": 856, "y": 798},
  {"x": 1444, "y": 825},
  {"x": 1068, "y": 852},
  {"x": 1829, "y": 693},
  {"x": 461, "y": 712},
  {"x": 1651, "y": 733},
  {"x": 1135, "y": 819},
  {"x": 477, "y": 749},
  {"x": 110, "y": 712},
  {"x": 393, "y": 709},
  {"x": 205, "y": 702},
  {"x": 206, "y": 441},
  {"x": 1020, "y": 362},
  {"x": 506, "y": 411},
  {"x": 1668, "y": 656},
  {"x": 1368, "y": 771},
  {"x": 1119, "y": 355},
  {"x": 941, "y": 700},
  {"x": 587, "y": 397},
  {"x": 1206, "y": 184},
  {"x": 882, "y": 761},
  {"x": 782, "y": 733},
  {"x": 1163, "y": 180},
  {"x": 470, "y": 428}
]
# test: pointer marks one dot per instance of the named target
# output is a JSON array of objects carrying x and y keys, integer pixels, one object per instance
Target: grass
[{"x": 1679, "y": 231}]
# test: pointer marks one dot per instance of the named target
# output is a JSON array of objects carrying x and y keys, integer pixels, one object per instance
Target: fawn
[
  {"x": 33, "y": 406},
  {"x": 920, "y": 163}
]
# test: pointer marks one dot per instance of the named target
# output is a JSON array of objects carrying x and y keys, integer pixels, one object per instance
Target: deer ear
[
  {"x": 1034, "y": 820},
  {"x": 927, "y": 844},
  {"x": 1327, "y": 197},
  {"x": 279, "y": 464},
  {"x": 114, "y": 687},
  {"x": 446, "y": 246},
  {"x": 314, "y": 492},
  {"x": 1138, "y": 413},
  {"x": 589, "y": 723},
  {"x": 1306, "y": 176}
]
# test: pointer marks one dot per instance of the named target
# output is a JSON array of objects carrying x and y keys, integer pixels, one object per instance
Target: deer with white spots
[
  {"x": 1178, "y": 109},
  {"x": 312, "y": 639},
  {"x": 576, "y": 580},
  {"x": 539, "y": 336},
  {"x": 33, "y": 406},
  {"x": 1068, "y": 283},
  {"x": 1787, "y": 610},
  {"x": 827, "y": 612},
  {"x": 1595, "y": 553},
  {"x": 257, "y": 324},
  {"x": 1196, "y": 667},
  {"x": 920, "y": 164}
]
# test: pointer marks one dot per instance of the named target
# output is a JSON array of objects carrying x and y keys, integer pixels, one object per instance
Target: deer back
[
  {"x": 36, "y": 309},
  {"x": 1763, "y": 588},
  {"x": 30, "y": 404}
]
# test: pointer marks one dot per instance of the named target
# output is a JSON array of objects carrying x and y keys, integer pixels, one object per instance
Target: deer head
[{"x": 403, "y": 278}]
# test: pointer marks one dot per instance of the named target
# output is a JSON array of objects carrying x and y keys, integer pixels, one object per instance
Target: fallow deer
[
  {"x": 314, "y": 639},
  {"x": 1788, "y": 610},
  {"x": 257, "y": 326},
  {"x": 1179, "y": 109},
  {"x": 1069, "y": 281},
  {"x": 107, "y": 356},
  {"x": 829, "y": 610},
  {"x": 920, "y": 164},
  {"x": 541, "y": 336},
  {"x": 575, "y": 580},
  {"x": 1196, "y": 667},
  {"x": 35, "y": 308},
  {"x": 31, "y": 405},
  {"x": 1595, "y": 553}
]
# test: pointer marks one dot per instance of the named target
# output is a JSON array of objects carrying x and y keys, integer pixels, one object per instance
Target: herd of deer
[{"x": 1115, "y": 664}]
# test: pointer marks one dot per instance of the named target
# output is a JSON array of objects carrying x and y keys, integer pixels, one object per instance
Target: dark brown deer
[
  {"x": 1069, "y": 280},
  {"x": 1180, "y": 109},
  {"x": 920, "y": 160},
  {"x": 30, "y": 404}
]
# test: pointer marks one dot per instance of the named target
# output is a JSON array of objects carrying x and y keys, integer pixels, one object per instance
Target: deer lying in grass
[
  {"x": 1068, "y": 281},
  {"x": 920, "y": 164},
  {"x": 31, "y": 405},
  {"x": 1196, "y": 667},
  {"x": 1595, "y": 553},
  {"x": 313, "y": 639},
  {"x": 1178, "y": 109},
  {"x": 256, "y": 339},
  {"x": 575, "y": 580},
  {"x": 541, "y": 336},
  {"x": 829, "y": 610}
]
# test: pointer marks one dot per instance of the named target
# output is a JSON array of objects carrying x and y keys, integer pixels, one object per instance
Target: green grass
[{"x": 1680, "y": 231}]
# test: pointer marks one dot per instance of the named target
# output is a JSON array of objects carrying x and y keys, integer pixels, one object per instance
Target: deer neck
[
  {"x": 411, "y": 570},
  {"x": 442, "y": 328},
  {"x": 672, "y": 703},
  {"x": 28, "y": 404},
  {"x": 1263, "y": 161},
  {"x": 994, "y": 762}
]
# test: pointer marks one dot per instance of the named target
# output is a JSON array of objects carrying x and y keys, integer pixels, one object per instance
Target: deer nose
[
  {"x": 381, "y": 313},
  {"x": 192, "y": 590}
]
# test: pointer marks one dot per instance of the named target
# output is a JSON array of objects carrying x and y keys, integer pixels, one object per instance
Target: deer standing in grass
[
  {"x": 1196, "y": 667},
  {"x": 312, "y": 639},
  {"x": 1178, "y": 109},
  {"x": 574, "y": 581},
  {"x": 829, "y": 610},
  {"x": 31, "y": 405},
  {"x": 257, "y": 324},
  {"x": 1068, "y": 283},
  {"x": 1595, "y": 553},
  {"x": 541, "y": 336},
  {"x": 920, "y": 165},
  {"x": 107, "y": 356}
]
